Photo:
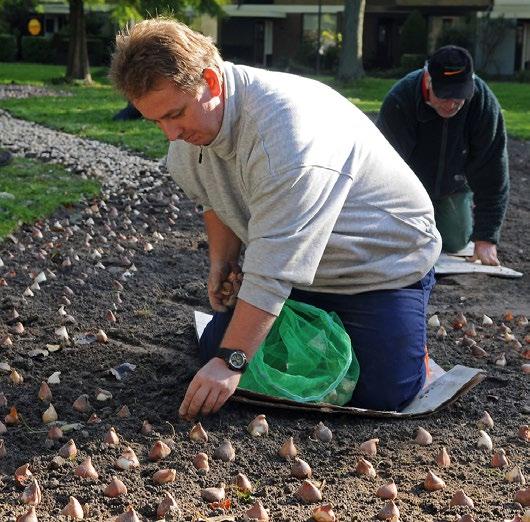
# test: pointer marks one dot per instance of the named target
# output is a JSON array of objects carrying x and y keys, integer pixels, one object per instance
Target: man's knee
[
  {"x": 453, "y": 241},
  {"x": 387, "y": 393},
  {"x": 454, "y": 220},
  {"x": 213, "y": 335}
]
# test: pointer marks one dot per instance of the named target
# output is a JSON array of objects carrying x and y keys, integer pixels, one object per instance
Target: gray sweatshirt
[{"x": 317, "y": 195}]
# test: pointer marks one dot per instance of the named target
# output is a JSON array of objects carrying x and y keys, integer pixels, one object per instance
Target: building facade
[
  {"x": 510, "y": 52},
  {"x": 273, "y": 32}
]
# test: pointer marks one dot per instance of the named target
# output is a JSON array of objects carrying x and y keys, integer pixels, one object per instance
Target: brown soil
[{"x": 154, "y": 331}]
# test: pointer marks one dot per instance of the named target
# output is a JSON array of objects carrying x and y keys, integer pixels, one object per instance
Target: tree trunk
[
  {"x": 351, "y": 54},
  {"x": 77, "y": 67}
]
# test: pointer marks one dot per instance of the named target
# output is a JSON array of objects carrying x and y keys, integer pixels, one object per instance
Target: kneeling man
[
  {"x": 447, "y": 125},
  {"x": 327, "y": 211}
]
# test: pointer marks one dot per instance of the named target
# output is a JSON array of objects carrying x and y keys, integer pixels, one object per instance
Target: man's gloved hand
[
  {"x": 486, "y": 253},
  {"x": 224, "y": 283}
]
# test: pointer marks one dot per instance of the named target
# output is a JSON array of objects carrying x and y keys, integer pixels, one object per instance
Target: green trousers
[{"x": 454, "y": 220}]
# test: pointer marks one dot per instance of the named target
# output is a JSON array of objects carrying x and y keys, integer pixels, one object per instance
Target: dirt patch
[{"x": 154, "y": 332}]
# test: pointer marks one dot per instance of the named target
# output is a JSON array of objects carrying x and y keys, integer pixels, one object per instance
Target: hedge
[
  {"x": 413, "y": 38},
  {"x": 410, "y": 62},
  {"x": 37, "y": 49},
  {"x": 8, "y": 48},
  {"x": 98, "y": 50}
]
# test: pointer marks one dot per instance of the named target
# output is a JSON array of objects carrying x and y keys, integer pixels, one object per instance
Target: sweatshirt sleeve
[
  {"x": 487, "y": 171},
  {"x": 397, "y": 125},
  {"x": 292, "y": 217}
]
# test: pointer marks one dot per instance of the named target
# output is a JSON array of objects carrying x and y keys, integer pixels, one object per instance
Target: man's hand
[
  {"x": 219, "y": 274},
  {"x": 211, "y": 387},
  {"x": 486, "y": 252}
]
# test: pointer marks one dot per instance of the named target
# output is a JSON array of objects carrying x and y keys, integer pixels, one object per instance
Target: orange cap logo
[{"x": 452, "y": 73}]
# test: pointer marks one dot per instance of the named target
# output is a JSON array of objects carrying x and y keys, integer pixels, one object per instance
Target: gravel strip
[
  {"x": 26, "y": 91},
  {"x": 119, "y": 171}
]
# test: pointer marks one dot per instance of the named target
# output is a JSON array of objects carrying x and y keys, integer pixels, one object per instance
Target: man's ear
[{"x": 213, "y": 80}]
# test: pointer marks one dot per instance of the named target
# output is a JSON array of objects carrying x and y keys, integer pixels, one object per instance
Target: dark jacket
[{"x": 467, "y": 151}]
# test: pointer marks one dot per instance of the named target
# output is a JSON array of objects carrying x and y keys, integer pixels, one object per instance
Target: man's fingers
[
  {"x": 197, "y": 401},
  {"x": 216, "y": 302},
  {"x": 484, "y": 259},
  {"x": 221, "y": 399},
  {"x": 210, "y": 401},
  {"x": 214, "y": 284},
  {"x": 493, "y": 261},
  {"x": 218, "y": 306},
  {"x": 190, "y": 393}
]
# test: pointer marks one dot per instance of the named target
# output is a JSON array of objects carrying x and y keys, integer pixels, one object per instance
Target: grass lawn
[
  {"x": 367, "y": 94},
  {"x": 515, "y": 102},
  {"x": 32, "y": 190},
  {"x": 87, "y": 112},
  {"x": 42, "y": 74}
]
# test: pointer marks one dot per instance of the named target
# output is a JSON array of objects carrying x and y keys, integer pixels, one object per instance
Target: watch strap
[{"x": 227, "y": 353}]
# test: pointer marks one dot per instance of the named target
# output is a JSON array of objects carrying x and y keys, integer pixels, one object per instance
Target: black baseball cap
[{"x": 451, "y": 70}]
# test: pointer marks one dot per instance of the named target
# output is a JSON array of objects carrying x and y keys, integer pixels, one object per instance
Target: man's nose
[
  {"x": 171, "y": 130},
  {"x": 453, "y": 102}
]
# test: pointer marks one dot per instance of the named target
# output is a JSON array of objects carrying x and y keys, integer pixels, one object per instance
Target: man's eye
[{"x": 177, "y": 115}]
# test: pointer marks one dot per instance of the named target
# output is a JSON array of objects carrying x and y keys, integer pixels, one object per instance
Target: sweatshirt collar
[{"x": 224, "y": 143}]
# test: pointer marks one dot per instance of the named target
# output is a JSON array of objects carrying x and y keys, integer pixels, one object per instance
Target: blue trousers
[{"x": 388, "y": 334}]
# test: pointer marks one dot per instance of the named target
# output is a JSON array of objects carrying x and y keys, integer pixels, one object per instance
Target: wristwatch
[{"x": 236, "y": 360}]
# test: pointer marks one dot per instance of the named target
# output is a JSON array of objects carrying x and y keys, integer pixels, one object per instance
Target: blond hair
[{"x": 158, "y": 49}]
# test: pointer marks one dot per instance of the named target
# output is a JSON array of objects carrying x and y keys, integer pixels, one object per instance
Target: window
[{"x": 328, "y": 24}]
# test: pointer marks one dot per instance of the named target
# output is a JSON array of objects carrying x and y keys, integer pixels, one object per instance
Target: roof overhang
[
  {"x": 511, "y": 8},
  {"x": 470, "y": 4},
  {"x": 277, "y": 10},
  {"x": 60, "y": 8}
]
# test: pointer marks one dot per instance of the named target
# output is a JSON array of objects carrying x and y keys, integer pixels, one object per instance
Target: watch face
[{"x": 237, "y": 359}]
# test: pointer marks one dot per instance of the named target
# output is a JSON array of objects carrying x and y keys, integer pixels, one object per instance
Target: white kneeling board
[{"x": 456, "y": 263}]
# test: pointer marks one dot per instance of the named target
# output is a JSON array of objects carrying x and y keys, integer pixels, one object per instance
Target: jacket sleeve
[
  {"x": 398, "y": 126},
  {"x": 487, "y": 170},
  {"x": 292, "y": 217}
]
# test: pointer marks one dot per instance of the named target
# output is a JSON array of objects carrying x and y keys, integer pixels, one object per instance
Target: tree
[
  {"x": 77, "y": 67},
  {"x": 124, "y": 11},
  {"x": 491, "y": 33},
  {"x": 351, "y": 54}
]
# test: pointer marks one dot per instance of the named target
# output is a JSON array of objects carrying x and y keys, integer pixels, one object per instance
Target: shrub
[
  {"x": 460, "y": 34},
  {"x": 307, "y": 54},
  {"x": 523, "y": 76},
  {"x": 37, "y": 49},
  {"x": 97, "y": 54},
  {"x": 8, "y": 48},
  {"x": 410, "y": 62},
  {"x": 98, "y": 50},
  {"x": 414, "y": 34}
]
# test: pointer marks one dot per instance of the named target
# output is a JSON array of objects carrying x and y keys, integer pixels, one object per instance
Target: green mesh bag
[{"x": 307, "y": 357}]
